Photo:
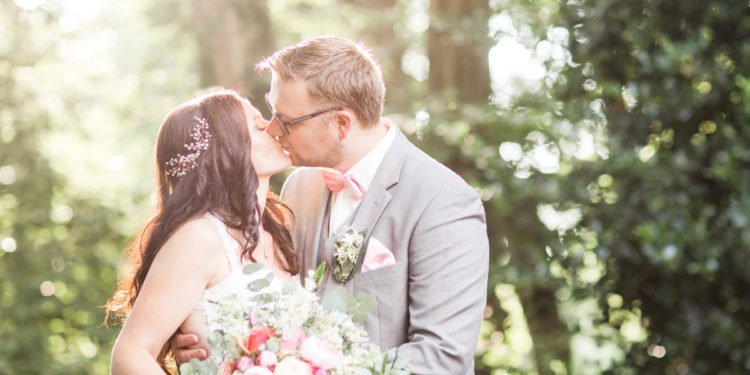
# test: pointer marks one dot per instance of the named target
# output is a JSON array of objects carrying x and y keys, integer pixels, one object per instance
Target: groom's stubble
[{"x": 329, "y": 153}]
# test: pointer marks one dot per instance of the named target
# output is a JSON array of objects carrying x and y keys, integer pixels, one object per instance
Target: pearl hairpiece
[{"x": 180, "y": 165}]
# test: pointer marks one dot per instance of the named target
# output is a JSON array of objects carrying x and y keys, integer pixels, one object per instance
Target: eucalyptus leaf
[
  {"x": 252, "y": 268},
  {"x": 270, "y": 276},
  {"x": 269, "y": 297},
  {"x": 360, "y": 306},
  {"x": 258, "y": 285},
  {"x": 196, "y": 367},
  {"x": 216, "y": 342},
  {"x": 336, "y": 299},
  {"x": 366, "y": 301},
  {"x": 358, "y": 316}
]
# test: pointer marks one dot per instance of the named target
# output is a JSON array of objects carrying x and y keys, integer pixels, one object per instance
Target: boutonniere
[{"x": 348, "y": 249}]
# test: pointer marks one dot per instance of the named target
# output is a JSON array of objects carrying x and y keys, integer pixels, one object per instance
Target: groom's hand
[{"x": 184, "y": 348}]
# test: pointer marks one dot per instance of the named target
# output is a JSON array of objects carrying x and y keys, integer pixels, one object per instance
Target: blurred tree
[
  {"x": 667, "y": 208},
  {"x": 232, "y": 37},
  {"x": 457, "y": 47},
  {"x": 57, "y": 251},
  {"x": 384, "y": 32},
  {"x": 465, "y": 136}
]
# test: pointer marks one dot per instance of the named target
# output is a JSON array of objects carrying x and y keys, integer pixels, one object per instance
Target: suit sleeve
[
  {"x": 448, "y": 267},
  {"x": 287, "y": 187},
  {"x": 290, "y": 194},
  {"x": 293, "y": 190}
]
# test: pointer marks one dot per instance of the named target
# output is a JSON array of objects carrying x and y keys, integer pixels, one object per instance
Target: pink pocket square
[{"x": 377, "y": 256}]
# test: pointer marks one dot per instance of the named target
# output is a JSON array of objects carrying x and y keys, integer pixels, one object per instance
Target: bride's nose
[{"x": 267, "y": 132}]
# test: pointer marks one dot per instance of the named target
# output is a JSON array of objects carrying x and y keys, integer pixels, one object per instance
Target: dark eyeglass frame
[{"x": 285, "y": 124}]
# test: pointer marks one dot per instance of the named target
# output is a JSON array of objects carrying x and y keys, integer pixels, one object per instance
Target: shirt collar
[{"x": 364, "y": 170}]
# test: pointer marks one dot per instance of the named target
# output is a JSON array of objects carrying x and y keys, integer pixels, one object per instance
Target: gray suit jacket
[{"x": 430, "y": 303}]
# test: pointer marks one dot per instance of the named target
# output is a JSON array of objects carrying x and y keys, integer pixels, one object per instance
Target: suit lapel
[
  {"x": 376, "y": 199},
  {"x": 371, "y": 208}
]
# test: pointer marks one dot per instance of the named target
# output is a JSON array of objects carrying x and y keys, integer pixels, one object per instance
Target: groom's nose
[{"x": 275, "y": 128}]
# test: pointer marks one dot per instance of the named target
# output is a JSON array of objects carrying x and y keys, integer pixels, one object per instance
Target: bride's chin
[
  {"x": 286, "y": 164},
  {"x": 287, "y": 161}
]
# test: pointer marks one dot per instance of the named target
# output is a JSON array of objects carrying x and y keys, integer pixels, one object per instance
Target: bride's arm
[{"x": 173, "y": 287}]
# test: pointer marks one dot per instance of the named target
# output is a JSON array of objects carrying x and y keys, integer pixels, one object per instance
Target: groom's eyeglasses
[{"x": 286, "y": 124}]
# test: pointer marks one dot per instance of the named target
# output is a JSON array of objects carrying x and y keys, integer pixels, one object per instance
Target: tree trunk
[
  {"x": 233, "y": 36},
  {"x": 389, "y": 48},
  {"x": 457, "y": 47},
  {"x": 549, "y": 334}
]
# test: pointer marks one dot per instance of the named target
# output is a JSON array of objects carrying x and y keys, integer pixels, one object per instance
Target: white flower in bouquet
[
  {"x": 320, "y": 353},
  {"x": 293, "y": 366}
]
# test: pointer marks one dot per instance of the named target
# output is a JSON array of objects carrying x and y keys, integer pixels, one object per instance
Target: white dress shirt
[{"x": 344, "y": 202}]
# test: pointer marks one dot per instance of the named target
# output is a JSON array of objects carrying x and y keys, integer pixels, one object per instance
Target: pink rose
[
  {"x": 244, "y": 363},
  {"x": 290, "y": 344},
  {"x": 257, "y": 370},
  {"x": 258, "y": 337},
  {"x": 225, "y": 369},
  {"x": 320, "y": 354},
  {"x": 267, "y": 359},
  {"x": 292, "y": 366}
]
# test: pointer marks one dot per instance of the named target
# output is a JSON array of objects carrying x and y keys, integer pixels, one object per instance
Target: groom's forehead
[{"x": 288, "y": 93}]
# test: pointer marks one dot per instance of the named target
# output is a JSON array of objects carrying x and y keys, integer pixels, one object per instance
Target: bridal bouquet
[{"x": 290, "y": 331}]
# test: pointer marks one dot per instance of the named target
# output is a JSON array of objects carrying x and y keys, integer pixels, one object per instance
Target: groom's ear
[{"x": 344, "y": 121}]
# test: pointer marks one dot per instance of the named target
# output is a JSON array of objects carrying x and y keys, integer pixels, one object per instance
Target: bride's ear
[{"x": 344, "y": 121}]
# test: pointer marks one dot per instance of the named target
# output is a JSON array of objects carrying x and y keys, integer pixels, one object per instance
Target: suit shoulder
[
  {"x": 303, "y": 174},
  {"x": 297, "y": 181},
  {"x": 433, "y": 176}
]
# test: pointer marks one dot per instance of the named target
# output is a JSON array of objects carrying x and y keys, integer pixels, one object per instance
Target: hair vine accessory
[{"x": 180, "y": 165}]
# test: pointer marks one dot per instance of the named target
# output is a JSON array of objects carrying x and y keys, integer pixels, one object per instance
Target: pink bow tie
[{"x": 337, "y": 181}]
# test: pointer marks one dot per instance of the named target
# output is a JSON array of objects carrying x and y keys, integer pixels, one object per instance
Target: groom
[{"x": 426, "y": 250}]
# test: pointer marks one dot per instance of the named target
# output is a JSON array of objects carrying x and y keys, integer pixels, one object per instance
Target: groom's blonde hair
[{"x": 338, "y": 72}]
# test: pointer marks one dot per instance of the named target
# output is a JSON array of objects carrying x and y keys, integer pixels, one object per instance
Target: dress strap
[{"x": 230, "y": 244}]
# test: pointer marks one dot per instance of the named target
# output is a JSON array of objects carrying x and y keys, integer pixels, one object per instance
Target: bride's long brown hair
[{"x": 223, "y": 182}]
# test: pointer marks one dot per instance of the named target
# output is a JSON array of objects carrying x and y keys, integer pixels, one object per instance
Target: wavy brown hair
[{"x": 223, "y": 182}]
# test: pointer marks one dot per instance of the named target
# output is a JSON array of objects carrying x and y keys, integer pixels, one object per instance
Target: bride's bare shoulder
[{"x": 197, "y": 235}]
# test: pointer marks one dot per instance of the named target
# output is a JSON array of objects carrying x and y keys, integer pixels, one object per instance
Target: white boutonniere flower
[{"x": 347, "y": 253}]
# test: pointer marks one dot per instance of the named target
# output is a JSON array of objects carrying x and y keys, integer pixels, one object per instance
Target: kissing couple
[{"x": 425, "y": 253}]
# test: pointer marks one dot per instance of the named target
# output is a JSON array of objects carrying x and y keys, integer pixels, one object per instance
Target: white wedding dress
[{"x": 232, "y": 289}]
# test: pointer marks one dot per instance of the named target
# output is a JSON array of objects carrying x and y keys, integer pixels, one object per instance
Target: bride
[{"x": 214, "y": 213}]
